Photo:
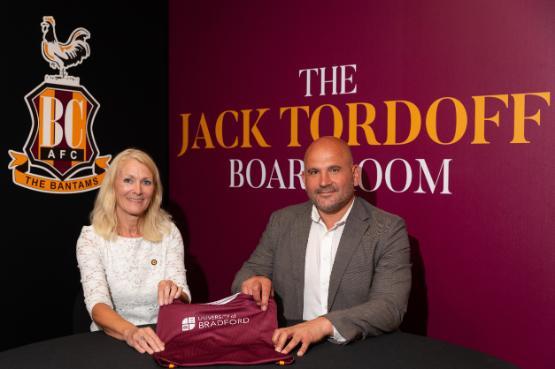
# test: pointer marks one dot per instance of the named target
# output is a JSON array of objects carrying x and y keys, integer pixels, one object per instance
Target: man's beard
[{"x": 336, "y": 205}]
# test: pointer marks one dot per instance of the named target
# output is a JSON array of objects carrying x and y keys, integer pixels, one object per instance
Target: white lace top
[{"x": 124, "y": 273}]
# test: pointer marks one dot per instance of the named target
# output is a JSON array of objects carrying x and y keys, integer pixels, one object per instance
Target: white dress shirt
[{"x": 320, "y": 255}]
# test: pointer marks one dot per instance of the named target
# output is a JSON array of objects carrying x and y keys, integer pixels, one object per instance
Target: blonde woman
[{"x": 131, "y": 257}]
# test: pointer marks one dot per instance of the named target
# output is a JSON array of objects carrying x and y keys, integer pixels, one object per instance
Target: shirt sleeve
[
  {"x": 337, "y": 337},
  {"x": 92, "y": 269},
  {"x": 175, "y": 260}
]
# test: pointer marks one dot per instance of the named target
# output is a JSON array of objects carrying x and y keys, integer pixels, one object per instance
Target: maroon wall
[{"x": 483, "y": 239}]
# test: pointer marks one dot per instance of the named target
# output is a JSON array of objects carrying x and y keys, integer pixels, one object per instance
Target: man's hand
[
  {"x": 259, "y": 288},
  {"x": 305, "y": 333}
]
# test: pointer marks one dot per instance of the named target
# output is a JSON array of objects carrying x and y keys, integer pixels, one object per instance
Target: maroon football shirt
[{"x": 233, "y": 330}]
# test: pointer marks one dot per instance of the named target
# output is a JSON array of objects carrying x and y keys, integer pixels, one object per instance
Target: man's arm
[
  {"x": 383, "y": 312},
  {"x": 305, "y": 333},
  {"x": 389, "y": 292}
]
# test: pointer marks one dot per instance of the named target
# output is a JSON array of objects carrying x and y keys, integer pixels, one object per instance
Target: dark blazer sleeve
[
  {"x": 389, "y": 288},
  {"x": 261, "y": 261}
]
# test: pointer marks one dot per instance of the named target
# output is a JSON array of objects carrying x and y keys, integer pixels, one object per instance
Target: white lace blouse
[{"x": 124, "y": 273}]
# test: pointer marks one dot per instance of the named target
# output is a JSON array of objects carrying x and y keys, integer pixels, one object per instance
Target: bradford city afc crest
[{"x": 60, "y": 155}]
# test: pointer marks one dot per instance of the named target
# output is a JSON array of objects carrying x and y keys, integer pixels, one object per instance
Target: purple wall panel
[{"x": 484, "y": 254}]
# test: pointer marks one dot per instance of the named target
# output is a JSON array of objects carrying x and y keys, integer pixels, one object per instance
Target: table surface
[{"x": 390, "y": 351}]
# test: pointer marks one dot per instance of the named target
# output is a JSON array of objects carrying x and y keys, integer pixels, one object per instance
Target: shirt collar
[{"x": 315, "y": 215}]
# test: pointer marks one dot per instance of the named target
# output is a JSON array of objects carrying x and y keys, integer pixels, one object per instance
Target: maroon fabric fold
[{"x": 230, "y": 331}]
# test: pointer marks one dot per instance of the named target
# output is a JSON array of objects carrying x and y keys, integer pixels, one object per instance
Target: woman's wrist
[{"x": 128, "y": 332}]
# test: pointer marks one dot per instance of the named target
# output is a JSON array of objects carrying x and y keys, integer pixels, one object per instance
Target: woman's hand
[
  {"x": 167, "y": 292},
  {"x": 143, "y": 340}
]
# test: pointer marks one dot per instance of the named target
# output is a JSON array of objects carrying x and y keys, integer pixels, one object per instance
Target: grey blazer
[{"x": 370, "y": 279}]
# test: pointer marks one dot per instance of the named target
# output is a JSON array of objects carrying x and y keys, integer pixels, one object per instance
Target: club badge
[{"x": 60, "y": 155}]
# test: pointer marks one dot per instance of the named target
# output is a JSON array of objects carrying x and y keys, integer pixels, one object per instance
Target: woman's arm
[
  {"x": 141, "y": 339},
  {"x": 174, "y": 276}
]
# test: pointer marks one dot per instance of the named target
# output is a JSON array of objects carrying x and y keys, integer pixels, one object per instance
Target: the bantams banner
[
  {"x": 60, "y": 154},
  {"x": 448, "y": 108},
  {"x": 83, "y": 81}
]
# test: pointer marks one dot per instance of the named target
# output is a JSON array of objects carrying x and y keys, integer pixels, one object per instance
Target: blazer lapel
[
  {"x": 299, "y": 240},
  {"x": 355, "y": 227}
]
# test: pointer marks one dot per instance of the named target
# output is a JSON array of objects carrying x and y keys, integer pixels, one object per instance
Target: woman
[{"x": 131, "y": 257}]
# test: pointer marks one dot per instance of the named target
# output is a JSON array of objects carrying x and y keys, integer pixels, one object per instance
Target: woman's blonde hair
[{"x": 154, "y": 223}]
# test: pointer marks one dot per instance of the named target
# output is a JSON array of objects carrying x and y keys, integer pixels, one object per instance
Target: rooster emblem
[{"x": 60, "y": 55}]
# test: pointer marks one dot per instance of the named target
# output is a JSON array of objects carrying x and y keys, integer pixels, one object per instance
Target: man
[{"x": 336, "y": 262}]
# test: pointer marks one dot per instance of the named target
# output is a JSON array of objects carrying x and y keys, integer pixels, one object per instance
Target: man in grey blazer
[{"x": 336, "y": 262}]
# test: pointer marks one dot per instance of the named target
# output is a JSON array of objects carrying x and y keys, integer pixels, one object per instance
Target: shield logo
[{"x": 61, "y": 140}]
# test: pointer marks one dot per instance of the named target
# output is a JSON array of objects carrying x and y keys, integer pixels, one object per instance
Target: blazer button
[{"x": 154, "y": 262}]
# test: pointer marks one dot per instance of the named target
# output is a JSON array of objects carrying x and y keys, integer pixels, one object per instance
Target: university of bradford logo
[
  {"x": 188, "y": 324},
  {"x": 60, "y": 155}
]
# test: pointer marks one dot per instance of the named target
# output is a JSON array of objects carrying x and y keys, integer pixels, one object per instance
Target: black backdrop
[{"x": 127, "y": 74}]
